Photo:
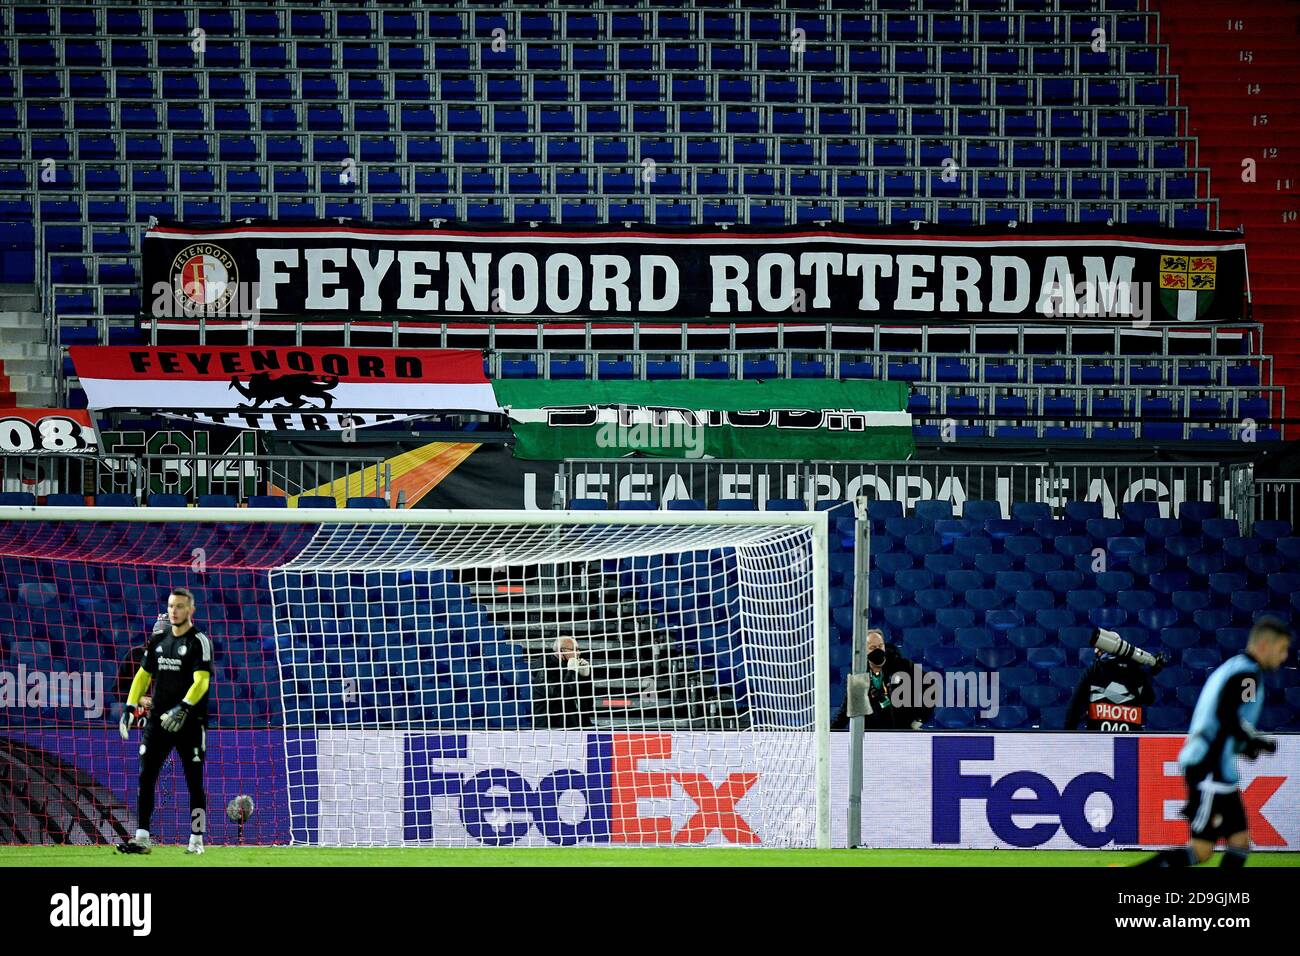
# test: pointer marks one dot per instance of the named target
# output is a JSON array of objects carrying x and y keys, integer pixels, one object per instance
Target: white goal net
[{"x": 588, "y": 681}]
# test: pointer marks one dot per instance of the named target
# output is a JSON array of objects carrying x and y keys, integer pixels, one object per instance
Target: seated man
[
  {"x": 564, "y": 690},
  {"x": 887, "y": 668}
]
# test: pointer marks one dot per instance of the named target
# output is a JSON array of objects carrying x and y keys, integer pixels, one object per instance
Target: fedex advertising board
[
  {"x": 1014, "y": 790},
  {"x": 496, "y": 788},
  {"x": 540, "y": 788},
  {"x": 1071, "y": 791}
]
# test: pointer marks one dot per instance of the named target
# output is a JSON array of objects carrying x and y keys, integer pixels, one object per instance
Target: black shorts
[
  {"x": 1214, "y": 809},
  {"x": 190, "y": 744}
]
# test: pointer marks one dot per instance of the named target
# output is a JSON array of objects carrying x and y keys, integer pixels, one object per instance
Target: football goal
[{"x": 436, "y": 678}]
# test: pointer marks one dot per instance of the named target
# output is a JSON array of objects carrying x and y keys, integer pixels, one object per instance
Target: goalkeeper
[
  {"x": 1223, "y": 726},
  {"x": 179, "y": 659}
]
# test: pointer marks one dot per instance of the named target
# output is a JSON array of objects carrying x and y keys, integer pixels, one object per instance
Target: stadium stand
[
  {"x": 1254, "y": 57},
  {"x": 953, "y": 112}
]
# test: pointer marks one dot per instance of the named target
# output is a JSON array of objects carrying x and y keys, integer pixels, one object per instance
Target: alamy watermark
[
  {"x": 75, "y": 909},
  {"x": 931, "y": 689},
  {"x": 640, "y": 428},
  {"x": 38, "y": 689},
  {"x": 1099, "y": 299},
  {"x": 210, "y": 298}
]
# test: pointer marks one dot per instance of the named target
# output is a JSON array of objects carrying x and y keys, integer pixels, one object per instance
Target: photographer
[
  {"x": 887, "y": 669},
  {"x": 1115, "y": 688}
]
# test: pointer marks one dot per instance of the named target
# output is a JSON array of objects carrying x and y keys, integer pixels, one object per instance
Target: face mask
[{"x": 876, "y": 657}]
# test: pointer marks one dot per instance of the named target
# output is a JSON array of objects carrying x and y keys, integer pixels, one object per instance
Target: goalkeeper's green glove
[
  {"x": 126, "y": 721},
  {"x": 1260, "y": 745},
  {"x": 174, "y": 719}
]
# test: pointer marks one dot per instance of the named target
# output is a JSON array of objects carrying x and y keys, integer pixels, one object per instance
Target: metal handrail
[{"x": 194, "y": 474}]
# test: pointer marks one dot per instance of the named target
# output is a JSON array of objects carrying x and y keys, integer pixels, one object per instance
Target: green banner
[{"x": 754, "y": 420}]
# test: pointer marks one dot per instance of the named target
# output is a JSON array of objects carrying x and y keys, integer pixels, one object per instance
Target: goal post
[{"x": 453, "y": 678}]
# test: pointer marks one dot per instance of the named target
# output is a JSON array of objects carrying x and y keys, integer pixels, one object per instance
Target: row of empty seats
[
  {"x": 594, "y": 210},
  {"x": 1037, "y": 153},
  {"x": 990, "y": 136},
  {"x": 837, "y": 58},
  {"x": 458, "y": 81},
  {"x": 1079, "y": 368},
  {"x": 649, "y": 178},
  {"x": 990, "y": 21},
  {"x": 1050, "y": 112}
]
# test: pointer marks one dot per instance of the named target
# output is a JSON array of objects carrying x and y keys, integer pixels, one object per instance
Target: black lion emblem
[{"x": 293, "y": 389}]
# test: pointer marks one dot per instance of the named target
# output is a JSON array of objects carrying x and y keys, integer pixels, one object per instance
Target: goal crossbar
[{"x": 813, "y": 519}]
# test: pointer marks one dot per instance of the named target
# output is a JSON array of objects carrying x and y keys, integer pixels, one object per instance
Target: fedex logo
[
  {"x": 499, "y": 806},
  {"x": 1025, "y": 808}
]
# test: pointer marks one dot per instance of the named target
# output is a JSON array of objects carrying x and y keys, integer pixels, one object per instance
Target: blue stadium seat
[
  {"x": 65, "y": 500},
  {"x": 982, "y": 511},
  {"x": 933, "y": 510},
  {"x": 941, "y": 564},
  {"x": 965, "y": 581},
  {"x": 882, "y": 510},
  {"x": 168, "y": 501},
  {"x": 1010, "y": 717},
  {"x": 785, "y": 504},
  {"x": 115, "y": 501},
  {"x": 1027, "y": 637},
  {"x": 972, "y": 639},
  {"x": 1288, "y": 548},
  {"x": 916, "y": 641},
  {"x": 736, "y": 504},
  {"x": 268, "y": 501},
  {"x": 944, "y": 656},
  {"x": 217, "y": 501},
  {"x": 1049, "y": 658},
  {"x": 901, "y": 616},
  {"x": 686, "y": 504},
  {"x": 1201, "y": 658},
  {"x": 990, "y": 564},
  {"x": 1134, "y": 601},
  {"x": 1227, "y": 583},
  {"x": 950, "y": 619},
  {"x": 997, "y": 657},
  {"x": 317, "y": 501},
  {"x": 1179, "y": 638},
  {"x": 913, "y": 580}
]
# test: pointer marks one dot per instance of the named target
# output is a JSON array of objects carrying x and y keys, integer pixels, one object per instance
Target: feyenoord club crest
[{"x": 205, "y": 277}]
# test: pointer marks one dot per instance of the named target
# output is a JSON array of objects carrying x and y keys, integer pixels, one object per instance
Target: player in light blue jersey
[{"x": 1223, "y": 727}]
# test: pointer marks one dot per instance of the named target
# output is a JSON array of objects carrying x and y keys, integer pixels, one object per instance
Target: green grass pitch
[{"x": 579, "y": 856}]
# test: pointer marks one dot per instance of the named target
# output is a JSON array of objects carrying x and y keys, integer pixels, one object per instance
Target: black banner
[
  {"x": 332, "y": 271},
  {"x": 1008, "y": 483},
  {"x": 1094, "y": 893},
  {"x": 463, "y": 475}
]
